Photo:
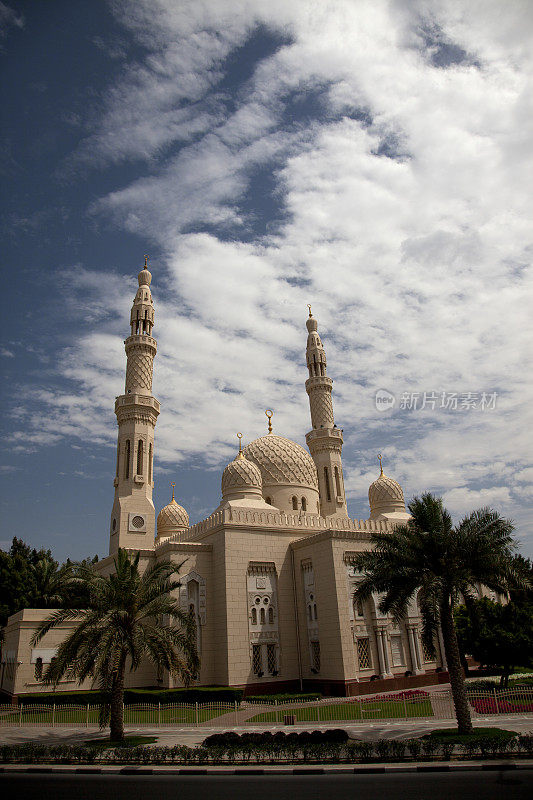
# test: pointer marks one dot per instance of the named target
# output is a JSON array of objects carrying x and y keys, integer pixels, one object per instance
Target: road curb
[{"x": 341, "y": 769}]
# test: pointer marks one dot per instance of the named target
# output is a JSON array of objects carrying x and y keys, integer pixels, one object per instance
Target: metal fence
[{"x": 406, "y": 705}]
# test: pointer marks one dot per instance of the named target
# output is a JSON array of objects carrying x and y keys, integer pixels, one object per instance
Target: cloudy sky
[{"x": 371, "y": 158}]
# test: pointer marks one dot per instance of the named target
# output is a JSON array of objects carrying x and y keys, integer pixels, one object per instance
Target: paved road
[{"x": 515, "y": 785}]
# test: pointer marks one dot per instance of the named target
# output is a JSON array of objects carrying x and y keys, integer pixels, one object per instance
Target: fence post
[
  {"x": 404, "y": 706},
  {"x": 196, "y": 705},
  {"x": 277, "y": 711},
  {"x": 87, "y": 717},
  {"x": 20, "y": 716},
  {"x": 318, "y": 713},
  {"x": 53, "y": 715},
  {"x": 496, "y": 701}
]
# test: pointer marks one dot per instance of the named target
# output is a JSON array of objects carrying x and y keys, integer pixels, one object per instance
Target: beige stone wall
[{"x": 18, "y": 634}]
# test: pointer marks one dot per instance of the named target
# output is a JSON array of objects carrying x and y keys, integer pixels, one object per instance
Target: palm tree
[
  {"x": 50, "y": 583},
  {"x": 122, "y": 627},
  {"x": 443, "y": 564}
]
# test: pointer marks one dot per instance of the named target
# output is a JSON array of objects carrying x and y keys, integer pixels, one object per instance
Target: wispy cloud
[{"x": 391, "y": 142}]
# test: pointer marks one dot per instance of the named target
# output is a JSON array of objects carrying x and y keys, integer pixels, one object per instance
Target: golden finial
[
  {"x": 269, "y": 414},
  {"x": 239, "y": 436},
  {"x": 146, "y": 261},
  {"x": 309, "y": 307},
  {"x": 172, "y": 484},
  {"x": 380, "y": 464}
]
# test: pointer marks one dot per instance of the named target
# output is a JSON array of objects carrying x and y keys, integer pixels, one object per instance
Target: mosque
[{"x": 269, "y": 576}]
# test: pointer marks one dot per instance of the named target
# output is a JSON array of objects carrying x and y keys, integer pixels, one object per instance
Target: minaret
[
  {"x": 133, "y": 515},
  {"x": 325, "y": 440}
]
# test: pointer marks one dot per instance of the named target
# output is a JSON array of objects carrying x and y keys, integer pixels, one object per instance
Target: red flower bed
[
  {"x": 408, "y": 694},
  {"x": 488, "y": 705}
]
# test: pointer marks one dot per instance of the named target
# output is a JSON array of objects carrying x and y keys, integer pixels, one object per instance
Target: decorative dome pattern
[
  {"x": 241, "y": 474},
  {"x": 282, "y": 461},
  {"x": 385, "y": 493},
  {"x": 171, "y": 517}
]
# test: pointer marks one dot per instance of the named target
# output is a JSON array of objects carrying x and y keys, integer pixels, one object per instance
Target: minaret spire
[
  {"x": 133, "y": 514},
  {"x": 325, "y": 439}
]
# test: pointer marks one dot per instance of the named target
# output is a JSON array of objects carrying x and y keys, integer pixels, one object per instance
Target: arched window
[
  {"x": 310, "y": 613},
  {"x": 140, "y": 457},
  {"x": 359, "y": 608},
  {"x": 262, "y": 616},
  {"x": 304, "y": 504},
  {"x": 326, "y": 480},
  {"x": 314, "y": 364},
  {"x": 127, "y": 456},
  {"x": 295, "y": 504},
  {"x": 254, "y": 615},
  {"x": 315, "y": 615},
  {"x": 150, "y": 459},
  {"x": 270, "y": 616},
  {"x": 38, "y": 669},
  {"x": 337, "y": 482}
]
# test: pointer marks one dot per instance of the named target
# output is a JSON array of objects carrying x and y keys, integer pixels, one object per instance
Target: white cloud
[{"x": 404, "y": 217}]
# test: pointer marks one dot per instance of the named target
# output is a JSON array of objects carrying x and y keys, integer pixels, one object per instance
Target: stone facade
[{"x": 269, "y": 575}]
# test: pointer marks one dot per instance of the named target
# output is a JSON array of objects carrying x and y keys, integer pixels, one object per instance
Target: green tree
[
  {"x": 441, "y": 563},
  {"x": 17, "y": 577},
  {"x": 51, "y": 583},
  {"x": 497, "y": 635},
  {"x": 121, "y": 627}
]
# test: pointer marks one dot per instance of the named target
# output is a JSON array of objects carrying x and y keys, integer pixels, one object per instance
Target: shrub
[
  {"x": 383, "y": 748},
  {"x": 414, "y": 746},
  {"x": 282, "y": 698},
  {"x": 398, "y": 748},
  {"x": 201, "y": 694}
]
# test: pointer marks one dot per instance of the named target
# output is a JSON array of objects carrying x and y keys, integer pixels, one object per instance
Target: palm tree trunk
[
  {"x": 453, "y": 657},
  {"x": 117, "y": 702}
]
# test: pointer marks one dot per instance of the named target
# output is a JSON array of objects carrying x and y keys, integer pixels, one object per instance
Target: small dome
[
  {"x": 385, "y": 495},
  {"x": 144, "y": 277},
  {"x": 239, "y": 475},
  {"x": 282, "y": 461},
  {"x": 171, "y": 518}
]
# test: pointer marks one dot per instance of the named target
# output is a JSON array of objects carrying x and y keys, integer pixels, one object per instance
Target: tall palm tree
[
  {"x": 120, "y": 628},
  {"x": 443, "y": 564}
]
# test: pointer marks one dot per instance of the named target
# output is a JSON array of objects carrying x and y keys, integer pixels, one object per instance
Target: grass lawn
[
  {"x": 129, "y": 741},
  {"x": 451, "y": 734},
  {"x": 132, "y": 716},
  {"x": 379, "y": 709}
]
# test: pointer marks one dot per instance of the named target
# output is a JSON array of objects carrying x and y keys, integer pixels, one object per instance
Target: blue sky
[{"x": 371, "y": 158}]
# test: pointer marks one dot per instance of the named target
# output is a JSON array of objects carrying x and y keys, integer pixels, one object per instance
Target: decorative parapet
[{"x": 297, "y": 522}]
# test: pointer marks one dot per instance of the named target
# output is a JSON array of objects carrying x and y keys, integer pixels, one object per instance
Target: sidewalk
[{"x": 195, "y": 736}]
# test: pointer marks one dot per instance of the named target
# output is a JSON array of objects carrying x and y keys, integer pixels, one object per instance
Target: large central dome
[{"x": 282, "y": 461}]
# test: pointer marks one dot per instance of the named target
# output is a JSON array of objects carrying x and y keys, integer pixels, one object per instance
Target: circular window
[
  {"x": 138, "y": 522},
  {"x": 311, "y": 597},
  {"x": 257, "y": 599},
  {"x": 265, "y": 601}
]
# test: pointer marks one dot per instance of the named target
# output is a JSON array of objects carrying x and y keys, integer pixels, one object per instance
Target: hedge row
[
  {"x": 278, "y": 750},
  {"x": 266, "y": 738},
  {"x": 515, "y": 683},
  {"x": 282, "y": 698},
  {"x": 204, "y": 694}
]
